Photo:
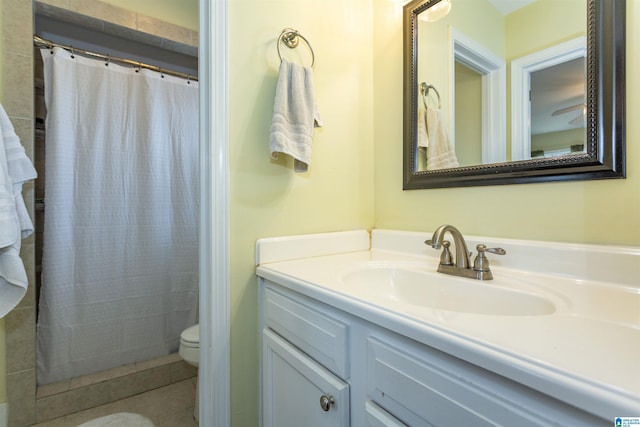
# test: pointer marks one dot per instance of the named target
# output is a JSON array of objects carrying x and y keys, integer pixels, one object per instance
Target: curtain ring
[
  {"x": 106, "y": 64},
  {"x": 188, "y": 79},
  {"x": 139, "y": 67},
  {"x": 72, "y": 53},
  {"x": 161, "y": 73}
]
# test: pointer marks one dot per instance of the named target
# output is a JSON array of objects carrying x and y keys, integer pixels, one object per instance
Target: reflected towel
[
  {"x": 295, "y": 114},
  {"x": 15, "y": 224},
  {"x": 423, "y": 134},
  {"x": 440, "y": 152}
]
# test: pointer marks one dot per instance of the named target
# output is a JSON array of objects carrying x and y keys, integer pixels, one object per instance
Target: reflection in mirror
[
  {"x": 558, "y": 109},
  {"x": 547, "y": 86},
  {"x": 474, "y": 79},
  {"x": 468, "y": 64},
  {"x": 564, "y": 122}
]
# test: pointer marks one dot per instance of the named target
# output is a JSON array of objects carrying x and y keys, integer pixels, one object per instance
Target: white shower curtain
[{"x": 120, "y": 254}]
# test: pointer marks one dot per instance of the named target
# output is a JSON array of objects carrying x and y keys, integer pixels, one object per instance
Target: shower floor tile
[{"x": 169, "y": 406}]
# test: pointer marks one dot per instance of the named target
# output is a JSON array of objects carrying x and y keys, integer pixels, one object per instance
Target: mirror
[{"x": 457, "y": 100}]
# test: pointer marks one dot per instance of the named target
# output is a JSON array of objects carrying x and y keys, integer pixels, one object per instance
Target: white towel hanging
[
  {"x": 295, "y": 115},
  {"x": 440, "y": 152},
  {"x": 15, "y": 224}
]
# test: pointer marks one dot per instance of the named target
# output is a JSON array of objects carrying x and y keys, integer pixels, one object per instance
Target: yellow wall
[
  {"x": 267, "y": 197},
  {"x": 534, "y": 27},
  {"x": 468, "y": 118},
  {"x": 588, "y": 211}
]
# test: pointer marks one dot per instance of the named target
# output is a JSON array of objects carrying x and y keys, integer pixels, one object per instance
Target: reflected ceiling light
[{"x": 437, "y": 11}]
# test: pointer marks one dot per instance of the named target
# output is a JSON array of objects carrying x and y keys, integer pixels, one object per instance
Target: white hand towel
[
  {"x": 423, "y": 134},
  {"x": 15, "y": 224},
  {"x": 295, "y": 114},
  {"x": 440, "y": 154}
]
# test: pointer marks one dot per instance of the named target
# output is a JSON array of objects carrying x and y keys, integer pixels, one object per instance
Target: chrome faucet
[
  {"x": 462, "y": 253},
  {"x": 462, "y": 267}
]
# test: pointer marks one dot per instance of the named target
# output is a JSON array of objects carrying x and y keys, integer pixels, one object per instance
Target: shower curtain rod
[{"x": 41, "y": 42}]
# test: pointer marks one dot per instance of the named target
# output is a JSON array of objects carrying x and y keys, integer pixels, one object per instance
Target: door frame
[
  {"x": 521, "y": 69},
  {"x": 214, "y": 369}
]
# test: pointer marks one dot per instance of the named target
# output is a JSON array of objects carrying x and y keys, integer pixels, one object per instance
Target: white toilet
[{"x": 190, "y": 353}]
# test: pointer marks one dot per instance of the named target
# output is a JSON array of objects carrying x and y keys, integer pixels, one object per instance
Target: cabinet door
[{"x": 297, "y": 391}]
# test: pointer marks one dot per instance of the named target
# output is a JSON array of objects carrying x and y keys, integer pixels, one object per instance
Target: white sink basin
[{"x": 444, "y": 292}]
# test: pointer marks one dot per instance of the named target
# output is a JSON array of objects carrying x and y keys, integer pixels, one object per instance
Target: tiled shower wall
[{"x": 18, "y": 100}]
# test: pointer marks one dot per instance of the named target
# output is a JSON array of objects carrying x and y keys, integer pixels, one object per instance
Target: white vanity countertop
[{"x": 586, "y": 353}]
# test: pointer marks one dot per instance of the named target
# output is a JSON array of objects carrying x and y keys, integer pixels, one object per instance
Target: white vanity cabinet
[
  {"x": 384, "y": 361},
  {"x": 297, "y": 391},
  {"x": 303, "y": 352},
  {"x": 322, "y": 367},
  {"x": 425, "y": 387}
]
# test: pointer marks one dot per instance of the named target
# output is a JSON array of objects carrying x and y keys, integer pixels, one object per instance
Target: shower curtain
[{"x": 120, "y": 244}]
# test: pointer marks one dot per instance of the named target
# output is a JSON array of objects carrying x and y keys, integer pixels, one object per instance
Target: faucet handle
[
  {"x": 445, "y": 256},
  {"x": 484, "y": 248},
  {"x": 481, "y": 263}
]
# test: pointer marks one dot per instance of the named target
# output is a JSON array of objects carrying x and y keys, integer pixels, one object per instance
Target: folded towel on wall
[
  {"x": 440, "y": 152},
  {"x": 15, "y": 224},
  {"x": 295, "y": 115}
]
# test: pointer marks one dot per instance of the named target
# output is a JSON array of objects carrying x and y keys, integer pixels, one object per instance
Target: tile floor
[
  {"x": 77, "y": 394},
  {"x": 169, "y": 406}
]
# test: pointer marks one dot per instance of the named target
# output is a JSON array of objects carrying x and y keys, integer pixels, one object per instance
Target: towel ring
[
  {"x": 291, "y": 38},
  {"x": 424, "y": 90}
]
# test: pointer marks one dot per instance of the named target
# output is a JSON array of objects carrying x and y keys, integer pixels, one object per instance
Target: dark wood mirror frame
[{"x": 605, "y": 124}]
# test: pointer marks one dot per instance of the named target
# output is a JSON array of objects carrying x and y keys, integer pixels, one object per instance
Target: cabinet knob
[{"x": 326, "y": 402}]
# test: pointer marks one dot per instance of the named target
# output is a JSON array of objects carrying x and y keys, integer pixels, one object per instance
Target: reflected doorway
[{"x": 548, "y": 100}]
